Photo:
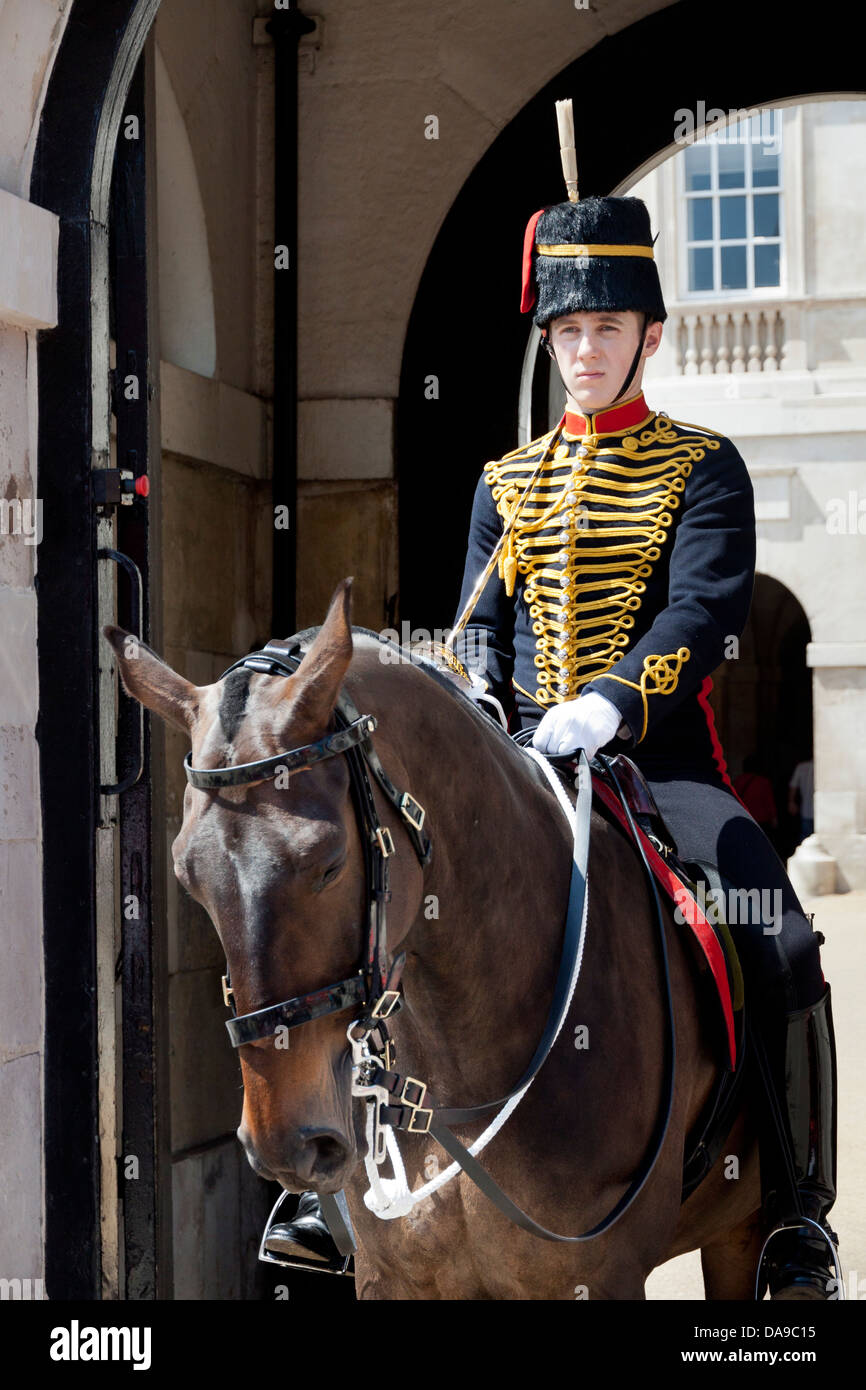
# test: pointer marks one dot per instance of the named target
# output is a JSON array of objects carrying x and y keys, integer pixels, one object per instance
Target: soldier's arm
[
  {"x": 712, "y": 572},
  {"x": 486, "y": 644}
]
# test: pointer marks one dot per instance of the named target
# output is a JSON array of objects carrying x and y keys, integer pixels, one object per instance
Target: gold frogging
[{"x": 589, "y": 533}]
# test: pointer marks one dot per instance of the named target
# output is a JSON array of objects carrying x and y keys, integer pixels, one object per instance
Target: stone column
[{"x": 833, "y": 859}]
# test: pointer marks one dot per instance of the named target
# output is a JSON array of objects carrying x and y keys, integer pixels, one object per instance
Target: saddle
[
  {"x": 642, "y": 803},
  {"x": 714, "y": 950}
]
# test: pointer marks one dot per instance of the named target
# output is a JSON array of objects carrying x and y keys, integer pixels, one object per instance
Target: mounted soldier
[
  {"x": 610, "y": 564},
  {"x": 625, "y": 545}
]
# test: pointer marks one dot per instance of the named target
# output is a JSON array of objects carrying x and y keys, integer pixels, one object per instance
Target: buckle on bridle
[
  {"x": 412, "y": 810},
  {"x": 383, "y": 1009},
  {"x": 416, "y": 1106},
  {"x": 385, "y": 841},
  {"x": 228, "y": 992},
  {"x": 412, "y": 1128}
]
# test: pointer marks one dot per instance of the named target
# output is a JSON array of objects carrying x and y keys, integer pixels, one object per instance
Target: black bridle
[{"x": 375, "y": 984}]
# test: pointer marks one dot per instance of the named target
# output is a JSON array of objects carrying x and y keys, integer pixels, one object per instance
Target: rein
[{"x": 396, "y": 1101}]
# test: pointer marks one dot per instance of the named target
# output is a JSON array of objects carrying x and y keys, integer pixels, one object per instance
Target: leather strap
[
  {"x": 405, "y": 804},
  {"x": 375, "y": 979},
  {"x": 292, "y": 1012},
  {"x": 292, "y": 760},
  {"x": 399, "y": 1116},
  {"x": 577, "y": 889}
]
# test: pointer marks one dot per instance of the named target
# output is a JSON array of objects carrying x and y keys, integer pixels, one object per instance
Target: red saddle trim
[{"x": 681, "y": 895}]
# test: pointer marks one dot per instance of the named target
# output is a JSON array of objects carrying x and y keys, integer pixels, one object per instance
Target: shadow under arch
[
  {"x": 762, "y": 699},
  {"x": 465, "y": 328}
]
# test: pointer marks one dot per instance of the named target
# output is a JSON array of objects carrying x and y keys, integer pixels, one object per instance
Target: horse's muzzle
[{"x": 310, "y": 1158}]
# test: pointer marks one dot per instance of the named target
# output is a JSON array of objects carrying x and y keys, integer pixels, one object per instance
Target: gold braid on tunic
[{"x": 588, "y": 535}]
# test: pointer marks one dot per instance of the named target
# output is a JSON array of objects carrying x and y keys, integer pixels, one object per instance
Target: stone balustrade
[{"x": 718, "y": 339}]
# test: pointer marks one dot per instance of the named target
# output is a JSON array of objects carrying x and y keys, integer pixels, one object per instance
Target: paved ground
[{"x": 842, "y": 919}]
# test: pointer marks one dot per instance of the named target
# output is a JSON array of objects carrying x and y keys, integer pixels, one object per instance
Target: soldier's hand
[{"x": 588, "y": 722}]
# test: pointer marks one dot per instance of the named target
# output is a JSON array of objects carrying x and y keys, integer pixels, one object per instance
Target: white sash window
[{"x": 733, "y": 208}]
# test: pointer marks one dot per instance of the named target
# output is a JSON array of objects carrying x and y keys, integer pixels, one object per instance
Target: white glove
[{"x": 588, "y": 722}]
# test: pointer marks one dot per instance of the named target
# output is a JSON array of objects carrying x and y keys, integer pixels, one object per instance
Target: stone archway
[{"x": 465, "y": 327}]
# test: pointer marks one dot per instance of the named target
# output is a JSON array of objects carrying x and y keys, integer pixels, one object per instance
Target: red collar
[{"x": 612, "y": 420}]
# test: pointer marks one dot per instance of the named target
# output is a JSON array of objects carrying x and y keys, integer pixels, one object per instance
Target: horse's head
[{"x": 280, "y": 871}]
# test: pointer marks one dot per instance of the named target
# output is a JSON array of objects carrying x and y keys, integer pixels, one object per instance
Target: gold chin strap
[{"x": 593, "y": 249}]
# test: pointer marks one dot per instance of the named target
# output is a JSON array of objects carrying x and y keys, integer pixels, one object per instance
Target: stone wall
[
  {"x": 215, "y": 512},
  {"x": 29, "y": 33},
  {"x": 376, "y": 81}
]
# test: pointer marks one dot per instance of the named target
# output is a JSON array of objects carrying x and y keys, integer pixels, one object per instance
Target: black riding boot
[
  {"x": 799, "y": 1263},
  {"x": 306, "y": 1236}
]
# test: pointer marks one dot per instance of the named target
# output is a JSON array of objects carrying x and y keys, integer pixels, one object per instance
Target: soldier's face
[{"x": 594, "y": 353}]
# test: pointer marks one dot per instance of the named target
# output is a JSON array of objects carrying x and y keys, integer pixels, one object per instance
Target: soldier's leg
[
  {"x": 780, "y": 950},
  {"x": 790, "y": 1002}
]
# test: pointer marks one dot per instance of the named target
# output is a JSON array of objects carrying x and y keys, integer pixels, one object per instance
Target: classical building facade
[{"x": 769, "y": 347}]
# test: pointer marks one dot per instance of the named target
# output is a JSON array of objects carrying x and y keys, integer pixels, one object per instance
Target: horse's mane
[
  {"x": 407, "y": 657},
  {"x": 430, "y": 668}
]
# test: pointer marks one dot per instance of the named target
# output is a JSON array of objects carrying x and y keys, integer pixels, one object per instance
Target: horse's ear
[
  {"x": 313, "y": 690},
  {"x": 147, "y": 679}
]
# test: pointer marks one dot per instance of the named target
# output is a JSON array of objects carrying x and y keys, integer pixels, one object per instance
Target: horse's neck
[{"x": 483, "y": 950}]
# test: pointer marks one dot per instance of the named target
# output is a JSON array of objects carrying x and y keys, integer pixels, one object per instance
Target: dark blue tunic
[
  {"x": 631, "y": 567},
  {"x": 635, "y": 562}
]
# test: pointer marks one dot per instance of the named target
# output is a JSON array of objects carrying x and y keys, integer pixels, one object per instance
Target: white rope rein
[{"x": 390, "y": 1198}]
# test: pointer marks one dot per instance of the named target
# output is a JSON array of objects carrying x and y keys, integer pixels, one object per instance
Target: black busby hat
[{"x": 591, "y": 255}]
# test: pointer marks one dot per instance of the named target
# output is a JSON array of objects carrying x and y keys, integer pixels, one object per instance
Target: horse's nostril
[
  {"x": 322, "y": 1153},
  {"x": 310, "y": 1156},
  {"x": 331, "y": 1151}
]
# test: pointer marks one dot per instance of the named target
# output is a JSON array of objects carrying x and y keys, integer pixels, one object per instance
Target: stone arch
[{"x": 464, "y": 325}]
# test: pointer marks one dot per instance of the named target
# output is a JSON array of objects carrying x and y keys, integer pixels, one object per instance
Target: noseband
[{"x": 375, "y": 984}]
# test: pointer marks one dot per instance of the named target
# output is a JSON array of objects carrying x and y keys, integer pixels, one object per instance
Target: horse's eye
[{"x": 330, "y": 874}]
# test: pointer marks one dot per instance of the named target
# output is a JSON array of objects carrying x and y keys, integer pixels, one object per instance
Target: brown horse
[{"x": 281, "y": 874}]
